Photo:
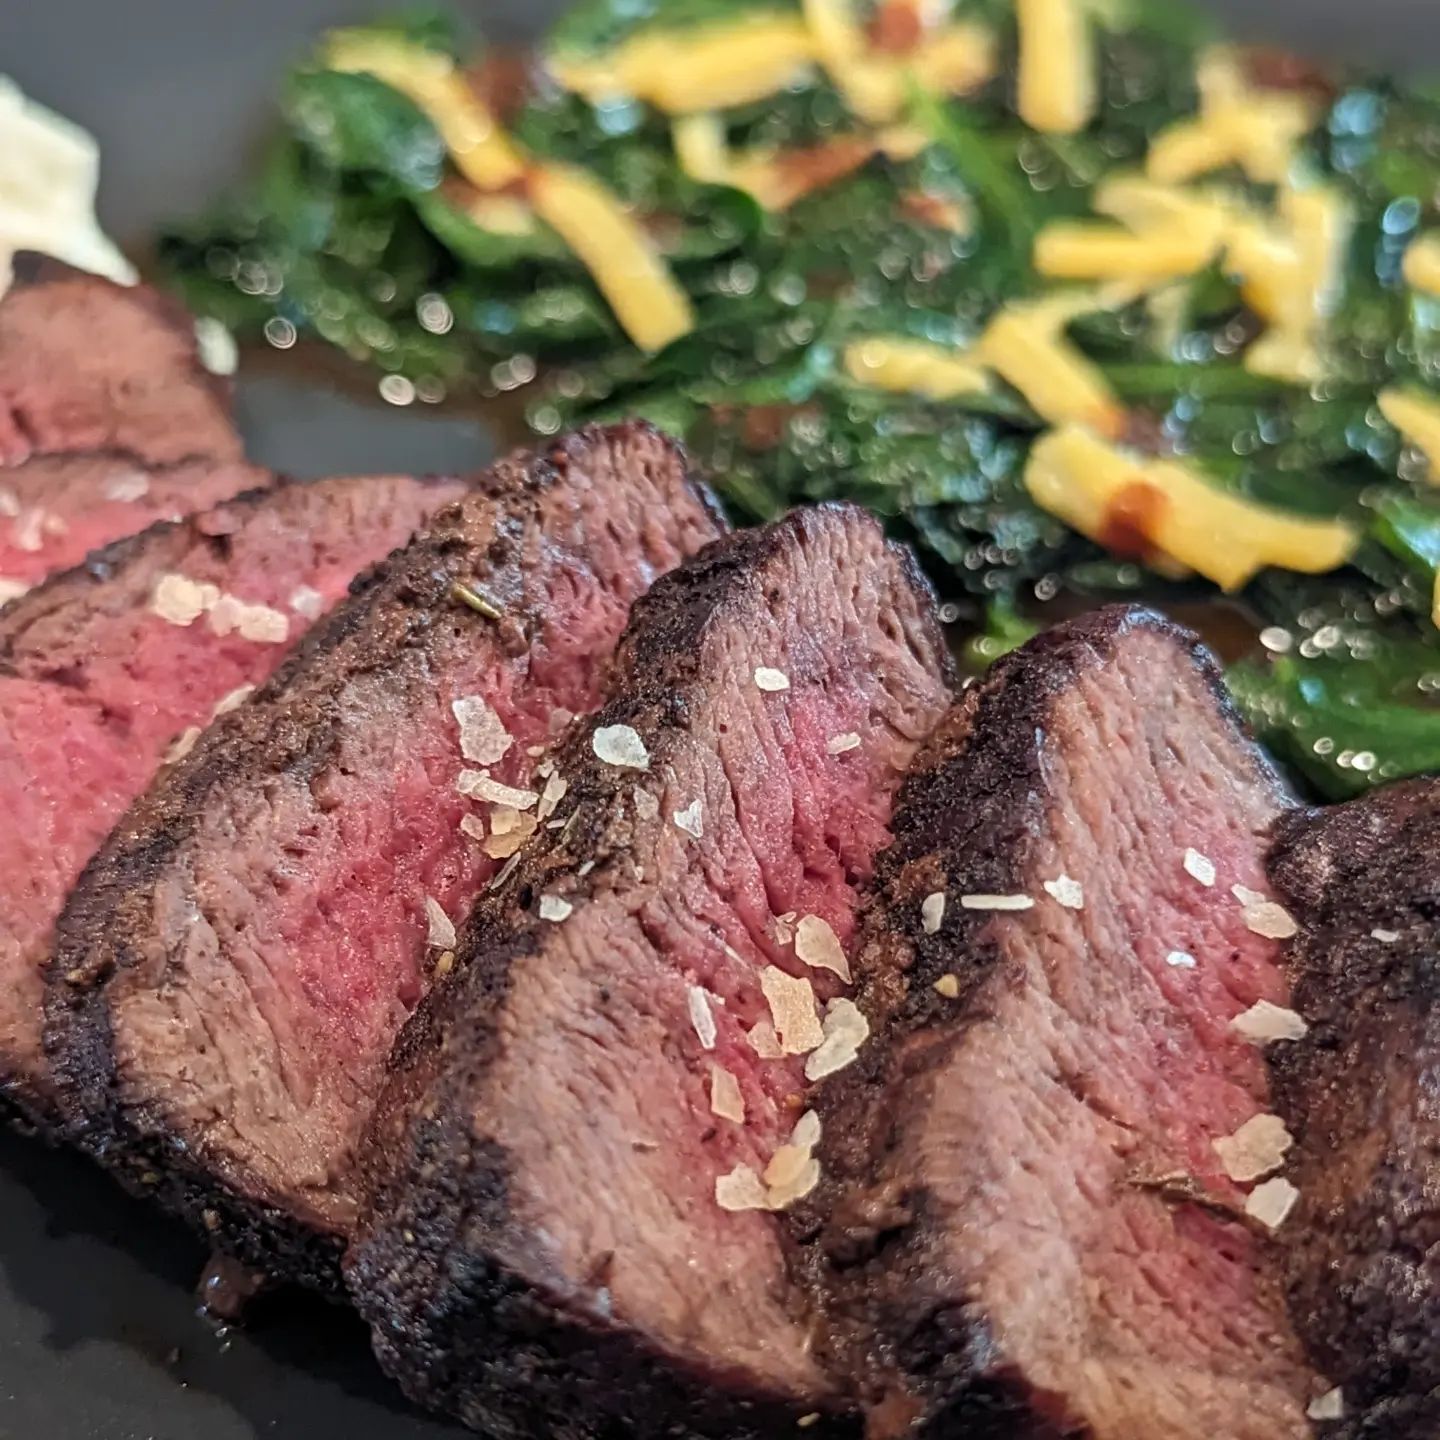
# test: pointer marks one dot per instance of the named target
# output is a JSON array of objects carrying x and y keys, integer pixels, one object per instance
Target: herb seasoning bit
[
  {"x": 701, "y": 1016},
  {"x": 475, "y": 600},
  {"x": 181, "y": 600},
  {"x": 949, "y": 986},
  {"x": 792, "y": 1008},
  {"x": 770, "y": 680},
  {"x": 479, "y": 785},
  {"x": 1385, "y": 937},
  {"x": 763, "y": 1040},
  {"x": 1271, "y": 920},
  {"x": 690, "y": 819},
  {"x": 1199, "y": 867},
  {"x": 182, "y": 745},
  {"x": 840, "y": 744},
  {"x": 647, "y": 807},
  {"x": 1264, "y": 1023},
  {"x": 845, "y": 1030},
  {"x": 442, "y": 928},
  {"x": 932, "y": 912},
  {"x": 818, "y": 946},
  {"x": 1065, "y": 891},
  {"x": 553, "y": 907},
  {"x": 741, "y": 1189},
  {"x": 620, "y": 745},
  {"x": 444, "y": 962},
  {"x": 556, "y": 788},
  {"x": 1255, "y": 1150},
  {"x": 1180, "y": 960},
  {"x": 996, "y": 902},
  {"x": 233, "y": 701},
  {"x": 726, "y": 1101},
  {"x": 1272, "y": 1202},
  {"x": 1329, "y": 1406},
  {"x": 307, "y": 602},
  {"x": 483, "y": 736}
]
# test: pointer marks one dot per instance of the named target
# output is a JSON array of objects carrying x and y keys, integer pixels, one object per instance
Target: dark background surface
[{"x": 98, "y": 1334}]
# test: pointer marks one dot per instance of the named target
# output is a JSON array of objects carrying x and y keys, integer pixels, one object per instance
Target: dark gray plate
[{"x": 98, "y": 1335}]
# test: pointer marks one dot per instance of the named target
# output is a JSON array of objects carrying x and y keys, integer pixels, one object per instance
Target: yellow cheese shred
[
  {"x": 916, "y": 367},
  {"x": 1422, "y": 264},
  {"x": 1174, "y": 513},
  {"x": 479, "y": 147},
  {"x": 1025, "y": 344},
  {"x": 1416, "y": 416},
  {"x": 621, "y": 257},
  {"x": 701, "y": 148},
  {"x": 955, "y": 59},
  {"x": 1239, "y": 124},
  {"x": 1057, "y": 85},
  {"x": 683, "y": 72},
  {"x": 1091, "y": 250}
]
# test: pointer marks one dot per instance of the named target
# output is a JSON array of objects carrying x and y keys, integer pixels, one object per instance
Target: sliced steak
[
  {"x": 107, "y": 668},
  {"x": 1029, "y": 1230},
  {"x": 548, "y": 1252},
  {"x": 56, "y": 509},
  {"x": 238, "y": 959},
  {"x": 1361, "y": 1092},
  {"x": 87, "y": 365}
]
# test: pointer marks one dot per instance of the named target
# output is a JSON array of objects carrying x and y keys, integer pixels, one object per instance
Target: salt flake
[
  {"x": 690, "y": 819},
  {"x": 792, "y": 1007},
  {"x": 1385, "y": 937},
  {"x": 845, "y": 1030},
  {"x": 552, "y": 907},
  {"x": 1180, "y": 960},
  {"x": 1065, "y": 891},
  {"x": 620, "y": 745},
  {"x": 1255, "y": 1150},
  {"x": 932, "y": 912},
  {"x": 763, "y": 1040},
  {"x": 442, "y": 928},
  {"x": 726, "y": 1099},
  {"x": 1264, "y": 1023},
  {"x": 483, "y": 736},
  {"x": 233, "y": 701},
  {"x": 840, "y": 744},
  {"x": 181, "y": 600},
  {"x": 479, "y": 785},
  {"x": 771, "y": 680},
  {"x": 1329, "y": 1406},
  {"x": 12, "y": 590},
  {"x": 1272, "y": 920},
  {"x": 741, "y": 1189},
  {"x": 1272, "y": 1202},
  {"x": 1199, "y": 867},
  {"x": 127, "y": 486},
  {"x": 697, "y": 998},
  {"x": 819, "y": 947},
  {"x": 307, "y": 602},
  {"x": 996, "y": 902}
]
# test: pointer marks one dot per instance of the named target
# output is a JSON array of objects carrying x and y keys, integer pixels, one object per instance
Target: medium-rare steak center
[
  {"x": 1053, "y": 1205},
  {"x": 106, "y": 670},
  {"x": 592, "y": 1127},
  {"x": 238, "y": 960}
]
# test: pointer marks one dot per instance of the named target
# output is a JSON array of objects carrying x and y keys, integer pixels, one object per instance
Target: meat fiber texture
[
  {"x": 1360, "y": 1089},
  {"x": 1028, "y": 1229},
  {"x": 108, "y": 420},
  {"x": 107, "y": 669},
  {"x": 627, "y": 1045},
  {"x": 235, "y": 965}
]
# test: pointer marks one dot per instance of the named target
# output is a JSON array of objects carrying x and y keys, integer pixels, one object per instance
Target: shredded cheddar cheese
[
  {"x": 623, "y": 259},
  {"x": 1057, "y": 85},
  {"x": 1167, "y": 509},
  {"x": 1416, "y": 415},
  {"x": 1422, "y": 264},
  {"x": 901, "y": 365}
]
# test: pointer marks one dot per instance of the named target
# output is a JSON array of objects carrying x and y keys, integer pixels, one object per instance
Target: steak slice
[
  {"x": 87, "y": 365},
  {"x": 56, "y": 509},
  {"x": 103, "y": 667},
  {"x": 1361, "y": 1092},
  {"x": 1030, "y": 1232},
  {"x": 237, "y": 961},
  {"x": 547, "y": 1252}
]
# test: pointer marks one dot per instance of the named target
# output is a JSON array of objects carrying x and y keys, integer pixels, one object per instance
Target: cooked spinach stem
[
  {"x": 913, "y": 281},
  {"x": 467, "y": 595}
]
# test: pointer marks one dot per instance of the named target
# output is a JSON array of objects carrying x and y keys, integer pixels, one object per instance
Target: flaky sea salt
[
  {"x": 1199, "y": 867},
  {"x": 840, "y": 744},
  {"x": 181, "y": 600},
  {"x": 845, "y": 1030},
  {"x": 792, "y": 1009},
  {"x": 690, "y": 819},
  {"x": 771, "y": 680},
  {"x": 483, "y": 736},
  {"x": 441, "y": 928},
  {"x": 480, "y": 785},
  {"x": 554, "y": 908},
  {"x": 1066, "y": 892},
  {"x": 697, "y": 1000},
  {"x": 997, "y": 902},
  {"x": 1271, "y": 1203},
  {"x": 1264, "y": 1023},
  {"x": 932, "y": 912},
  {"x": 817, "y": 945},
  {"x": 1255, "y": 1150},
  {"x": 620, "y": 745}
]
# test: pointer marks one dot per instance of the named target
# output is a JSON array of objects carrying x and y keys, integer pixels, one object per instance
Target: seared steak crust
[
  {"x": 1024, "y": 1230},
  {"x": 545, "y": 1251},
  {"x": 1361, "y": 1093},
  {"x": 234, "y": 965}
]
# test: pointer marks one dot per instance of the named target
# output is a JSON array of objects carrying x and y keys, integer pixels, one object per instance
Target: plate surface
[{"x": 98, "y": 1336}]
